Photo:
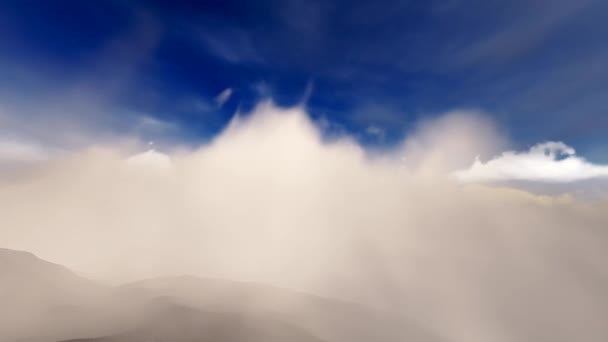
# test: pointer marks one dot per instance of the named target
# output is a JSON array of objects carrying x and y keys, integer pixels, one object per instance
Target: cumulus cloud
[
  {"x": 545, "y": 162},
  {"x": 270, "y": 200}
]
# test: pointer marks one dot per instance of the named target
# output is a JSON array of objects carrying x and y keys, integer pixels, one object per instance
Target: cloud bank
[
  {"x": 270, "y": 200},
  {"x": 545, "y": 162}
]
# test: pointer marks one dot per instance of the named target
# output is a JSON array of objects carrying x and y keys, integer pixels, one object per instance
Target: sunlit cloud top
[{"x": 546, "y": 162}]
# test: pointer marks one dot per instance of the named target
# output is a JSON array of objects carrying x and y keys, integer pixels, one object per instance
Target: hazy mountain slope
[
  {"x": 330, "y": 319},
  {"x": 182, "y": 324},
  {"x": 29, "y": 274},
  {"x": 43, "y": 302},
  {"x": 40, "y": 298}
]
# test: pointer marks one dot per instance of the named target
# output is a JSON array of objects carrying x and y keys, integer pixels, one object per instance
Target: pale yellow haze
[{"x": 270, "y": 200}]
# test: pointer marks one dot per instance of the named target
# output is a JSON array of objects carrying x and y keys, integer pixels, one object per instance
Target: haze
[{"x": 303, "y": 171}]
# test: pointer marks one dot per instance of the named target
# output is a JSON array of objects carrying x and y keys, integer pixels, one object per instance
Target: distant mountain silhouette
[
  {"x": 330, "y": 319},
  {"x": 25, "y": 271},
  {"x": 46, "y": 302},
  {"x": 40, "y": 297},
  {"x": 177, "y": 323}
]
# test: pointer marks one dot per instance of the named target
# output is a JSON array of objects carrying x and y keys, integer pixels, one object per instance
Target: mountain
[
  {"x": 330, "y": 319},
  {"x": 177, "y": 323},
  {"x": 46, "y": 302},
  {"x": 27, "y": 274},
  {"x": 42, "y": 298}
]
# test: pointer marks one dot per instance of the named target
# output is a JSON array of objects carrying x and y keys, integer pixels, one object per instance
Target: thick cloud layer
[{"x": 270, "y": 201}]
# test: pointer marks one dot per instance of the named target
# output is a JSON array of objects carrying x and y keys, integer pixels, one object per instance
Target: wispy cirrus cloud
[
  {"x": 223, "y": 97},
  {"x": 230, "y": 44}
]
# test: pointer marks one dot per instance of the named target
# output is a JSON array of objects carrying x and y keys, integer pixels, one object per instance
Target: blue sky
[{"x": 370, "y": 69}]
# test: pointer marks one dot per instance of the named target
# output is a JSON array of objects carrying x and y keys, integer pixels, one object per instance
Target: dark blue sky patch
[{"x": 538, "y": 67}]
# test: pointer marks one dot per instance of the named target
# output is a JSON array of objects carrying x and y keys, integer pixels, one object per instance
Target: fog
[{"x": 272, "y": 200}]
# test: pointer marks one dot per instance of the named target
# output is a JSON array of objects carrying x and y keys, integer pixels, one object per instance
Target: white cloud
[
  {"x": 151, "y": 158},
  {"x": 269, "y": 200},
  {"x": 223, "y": 97},
  {"x": 545, "y": 162},
  {"x": 449, "y": 142}
]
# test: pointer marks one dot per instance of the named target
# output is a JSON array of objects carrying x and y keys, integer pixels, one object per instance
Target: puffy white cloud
[{"x": 545, "y": 162}]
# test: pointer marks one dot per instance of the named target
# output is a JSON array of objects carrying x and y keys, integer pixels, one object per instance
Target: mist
[{"x": 272, "y": 200}]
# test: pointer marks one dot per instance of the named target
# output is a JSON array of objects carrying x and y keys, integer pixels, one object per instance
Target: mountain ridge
[{"x": 56, "y": 304}]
